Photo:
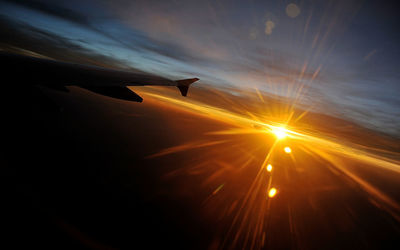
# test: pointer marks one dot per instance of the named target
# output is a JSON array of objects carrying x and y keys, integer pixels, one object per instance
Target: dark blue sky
[{"x": 345, "y": 53}]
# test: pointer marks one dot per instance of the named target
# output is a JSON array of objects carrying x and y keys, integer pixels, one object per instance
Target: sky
[{"x": 337, "y": 57}]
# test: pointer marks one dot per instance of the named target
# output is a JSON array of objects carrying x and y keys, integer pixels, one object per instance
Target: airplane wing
[{"x": 57, "y": 75}]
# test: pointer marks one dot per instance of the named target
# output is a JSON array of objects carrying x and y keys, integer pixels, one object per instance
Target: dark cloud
[
  {"x": 20, "y": 37},
  {"x": 54, "y": 9},
  {"x": 131, "y": 39}
]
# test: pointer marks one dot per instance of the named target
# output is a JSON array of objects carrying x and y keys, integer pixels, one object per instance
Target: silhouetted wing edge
[{"x": 108, "y": 82}]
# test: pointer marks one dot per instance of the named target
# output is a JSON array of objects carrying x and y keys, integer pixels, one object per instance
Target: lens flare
[
  {"x": 272, "y": 192},
  {"x": 253, "y": 138}
]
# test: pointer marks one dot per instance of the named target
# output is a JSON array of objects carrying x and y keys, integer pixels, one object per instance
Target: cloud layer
[{"x": 343, "y": 56}]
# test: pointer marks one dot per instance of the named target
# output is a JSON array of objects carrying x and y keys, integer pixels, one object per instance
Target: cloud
[
  {"x": 55, "y": 10},
  {"x": 223, "y": 43},
  {"x": 20, "y": 37},
  {"x": 123, "y": 36}
]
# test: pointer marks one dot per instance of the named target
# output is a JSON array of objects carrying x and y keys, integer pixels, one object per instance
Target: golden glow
[
  {"x": 272, "y": 192},
  {"x": 331, "y": 145},
  {"x": 279, "y": 132},
  {"x": 274, "y": 125}
]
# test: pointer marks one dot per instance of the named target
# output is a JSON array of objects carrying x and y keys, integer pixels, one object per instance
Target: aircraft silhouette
[{"x": 56, "y": 75}]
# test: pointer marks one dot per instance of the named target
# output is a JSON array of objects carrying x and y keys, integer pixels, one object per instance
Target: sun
[{"x": 279, "y": 132}]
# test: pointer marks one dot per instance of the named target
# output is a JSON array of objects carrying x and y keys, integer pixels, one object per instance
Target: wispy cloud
[{"x": 344, "y": 57}]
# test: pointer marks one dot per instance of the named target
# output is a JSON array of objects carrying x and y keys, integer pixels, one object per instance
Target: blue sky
[{"x": 345, "y": 52}]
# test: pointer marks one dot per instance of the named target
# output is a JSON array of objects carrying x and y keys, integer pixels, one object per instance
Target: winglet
[{"x": 183, "y": 85}]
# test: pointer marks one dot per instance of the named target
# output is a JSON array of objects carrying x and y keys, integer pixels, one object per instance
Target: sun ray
[{"x": 251, "y": 213}]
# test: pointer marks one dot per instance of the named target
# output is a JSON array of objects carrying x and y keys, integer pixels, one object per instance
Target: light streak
[
  {"x": 248, "y": 225},
  {"x": 247, "y": 125}
]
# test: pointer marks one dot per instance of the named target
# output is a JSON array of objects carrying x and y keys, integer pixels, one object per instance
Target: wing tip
[{"x": 183, "y": 85}]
